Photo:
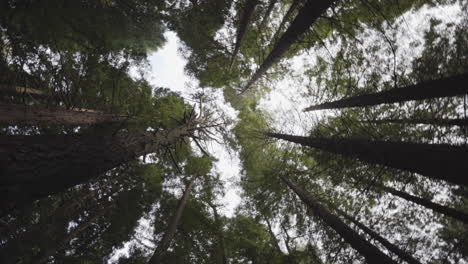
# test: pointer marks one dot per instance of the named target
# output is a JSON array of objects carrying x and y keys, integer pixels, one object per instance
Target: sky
[{"x": 285, "y": 102}]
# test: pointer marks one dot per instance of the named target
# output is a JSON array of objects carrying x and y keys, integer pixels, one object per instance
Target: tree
[
  {"x": 461, "y": 122},
  {"x": 461, "y": 216},
  {"x": 308, "y": 14},
  {"x": 445, "y": 87},
  {"x": 292, "y": 8},
  {"x": 369, "y": 251},
  {"x": 36, "y": 115},
  {"x": 247, "y": 12},
  {"x": 374, "y": 235},
  {"x": 172, "y": 228},
  {"x": 425, "y": 159}
]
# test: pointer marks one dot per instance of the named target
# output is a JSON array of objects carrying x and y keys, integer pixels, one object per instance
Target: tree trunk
[
  {"x": 274, "y": 241},
  {"x": 308, "y": 14},
  {"x": 391, "y": 247},
  {"x": 219, "y": 231},
  {"x": 247, "y": 13},
  {"x": 461, "y": 216},
  {"x": 33, "y": 167},
  {"x": 446, "y": 87},
  {"x": 461, "y": 122},
  {"x": 370, "y": 252},
  {"x": 437, "y": 161},
  {"x": 21, "y": 91},
  {"x": 294, "y": 5},
  {"x": 267, "y": 14},
  {"x": 34, "y": 115},
  {"x": 172, "y": 228}
]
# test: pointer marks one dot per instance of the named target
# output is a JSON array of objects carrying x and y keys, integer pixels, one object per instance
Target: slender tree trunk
[
  {"x": 437, "y": 161},
  {"x": 308, "y": 14},
  {"x": 273, "y": 237},
  {"x": 461, "y": 122},
  {"x": 445, "y": 87},
  {"x": 461, "y": 216},
  {"x": 33, "y": 167},
  {"x": 391, "y": 247},
  {"x": 172, "y": 228},
  {"x": 267, "y": 14},
  {"x": 247, "y": 13},
  {"x": 35, "y": 115},
  {"x": 222, "y": 246},
  {"x": 292, "y": 8},
  {"x": 44, "y": 256},
  {"x": 370, "y": 252}
]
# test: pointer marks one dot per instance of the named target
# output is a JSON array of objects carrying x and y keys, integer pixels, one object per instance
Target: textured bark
[
  {"x": 172, "y": 228},
  {"x": 308, "y": 14},
  {"x": 247, "y": 13},
  {"x": 370, "y": 252},
  {"x": 461, "y": 122},
  {"x": 450, "y": 212},
  {"x": 446, "y": 87},
  {"x": 437, "y": 161},
  {"x": 387, "y": 244},
  {"x": 35, "y": 115},
  {"x": 33, "y": 167}
]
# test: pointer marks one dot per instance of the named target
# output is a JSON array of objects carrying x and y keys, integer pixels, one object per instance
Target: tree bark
[
  {"x": 387, "y": 244},
  {"x": 294, "y": 5},
  {"x": 244, "y": 23},
  {"x": 370, "y": 252},
  {"x": 445, "y": 87},
  {"x": 33, "y": 167},
  {"x": 461, "y": 122},
  {"x": 222, "y": 246},
  {"x": 450, "y": 212},
  {"x": 34, "y": 115},
  {"x": 308, "y": 14},
  {"x": 172, "y": 228},
  {"x": 437, "y": 161}
]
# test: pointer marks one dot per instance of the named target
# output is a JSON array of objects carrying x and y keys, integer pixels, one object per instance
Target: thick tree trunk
[
  {"x": 33, "y": 167},
  {"x": 247, "y": 13},
  {"x": 172, "y": 228},
  {"x": 437, "y": 161},
  {"x": 461, "y": 122},
  {"x": 446, "y": 87},
  {"x": 34, "y": 115},
  {"x": 450, "y": 212},
  {"x": 308, "y": 14},
  {"x": 391, "y": 247},
  {"x": 370, "y": 252}
]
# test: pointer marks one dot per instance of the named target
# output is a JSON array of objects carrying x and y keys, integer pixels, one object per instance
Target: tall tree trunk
[
  {"x": 294, "y": 5},
  {"x": 437, "y": 161},
  {"x": 247, "y": 13},
  {"x": 274, "y": 241},
  {"x": 370, "y": 252},
  {"x": 267, "y": 14},
  {"x": 34, "y": 115},
  {"x": 387, "y": 244},
  {"x": 445, "y": 87},
  {"x": 461, "y": 216},
  {"x": 44, "y": 256},
  {"x": 461, "y": 122},
  {"x": 33, "y": 167},
  {"x": 219, "y": 232},
  {"x": 308, "y": 14},
  {"x": 172, "y": 228}
]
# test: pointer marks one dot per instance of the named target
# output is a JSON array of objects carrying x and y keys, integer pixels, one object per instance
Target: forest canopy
[{"x": 348, "y": 119}]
